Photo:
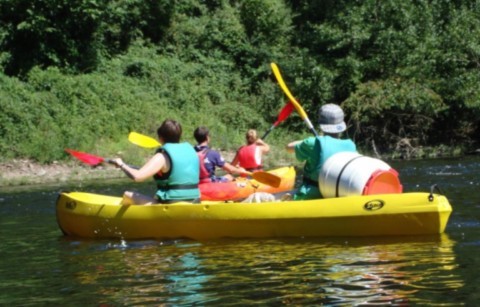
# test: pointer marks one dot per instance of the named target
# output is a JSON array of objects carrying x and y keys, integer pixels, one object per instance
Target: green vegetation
[{"x": 84, "y": 73}]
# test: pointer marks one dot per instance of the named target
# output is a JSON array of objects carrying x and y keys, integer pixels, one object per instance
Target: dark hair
[
  {"x": 170, "y": 131},
  {"x": 200, "y": 134}
]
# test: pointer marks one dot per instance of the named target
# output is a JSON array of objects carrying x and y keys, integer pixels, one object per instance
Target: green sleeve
[{"x": 304, "y": 149}]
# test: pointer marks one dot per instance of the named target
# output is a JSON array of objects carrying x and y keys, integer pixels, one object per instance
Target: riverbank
[{"x": 18, "y": 172}]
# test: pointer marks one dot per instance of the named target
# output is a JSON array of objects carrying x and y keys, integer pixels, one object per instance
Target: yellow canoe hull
[{"x": 90, "y": 215}]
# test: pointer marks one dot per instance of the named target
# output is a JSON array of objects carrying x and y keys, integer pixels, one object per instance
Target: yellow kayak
[{"x": 88, "y": 215}]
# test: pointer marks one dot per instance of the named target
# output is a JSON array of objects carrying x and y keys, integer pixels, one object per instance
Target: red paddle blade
[
  {"x": 284, "y": 113},
  {"x": 85, "y": 157}
]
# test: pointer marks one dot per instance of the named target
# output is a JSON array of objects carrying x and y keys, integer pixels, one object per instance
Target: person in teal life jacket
[
  {"x": 211, "y": 159},
  {"x": 316, "y": 150},
  {"x": 174, "y": 166},
  {"x": 249, "y": 156}
]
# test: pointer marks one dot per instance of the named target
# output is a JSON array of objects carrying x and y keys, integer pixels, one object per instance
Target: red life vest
[
  {"x": 246, "y": 158},
  {"x": 204, "y": 174}
]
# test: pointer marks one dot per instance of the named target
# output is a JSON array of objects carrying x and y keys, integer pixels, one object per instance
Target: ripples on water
[
  {"x": 41, "y": 267},
  {"x": 230, "y": 272}
]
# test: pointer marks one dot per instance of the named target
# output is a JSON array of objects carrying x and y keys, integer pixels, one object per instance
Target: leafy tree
[
  {"x": 392, "y": 112},
  {"x": 75, "y": 34},
  {"x": 50, "y": 33},
  {"x": 402, "y": 70}
]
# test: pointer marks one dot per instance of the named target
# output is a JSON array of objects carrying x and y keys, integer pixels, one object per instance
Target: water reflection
[{"x": 399, "y": 271}]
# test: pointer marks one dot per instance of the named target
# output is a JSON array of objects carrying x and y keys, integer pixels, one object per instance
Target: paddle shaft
[
  {"x": 114, "y": 163},
  {"x": 284, "y": 113},
  {"x": 268, "y": 132}
]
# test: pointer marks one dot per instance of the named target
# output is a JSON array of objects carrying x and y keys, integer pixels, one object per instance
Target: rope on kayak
[{"x": 432, "y": 189}]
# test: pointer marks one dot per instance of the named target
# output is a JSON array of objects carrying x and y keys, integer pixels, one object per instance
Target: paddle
[
  {"x": 295, "y": 103},
  {"x": 284, "y": 113},
  {"x": 143, "y": 140},
  {"x": 88, "y": 158},
  {"x": 265, "y": 178},
  {"x": 91, "y": 159}
]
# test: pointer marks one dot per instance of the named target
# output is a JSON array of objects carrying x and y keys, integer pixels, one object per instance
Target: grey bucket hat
[{"x": 331, "y": 118}]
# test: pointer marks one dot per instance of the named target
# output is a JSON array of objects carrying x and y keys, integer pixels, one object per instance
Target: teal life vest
[
  {"x": 330, "y": 146},
  {"x": 324, "y": 147},
  {"x": 180, "y": 183}
]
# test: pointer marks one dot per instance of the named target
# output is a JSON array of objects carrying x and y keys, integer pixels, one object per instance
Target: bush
[{"x": 385, "y": 113}]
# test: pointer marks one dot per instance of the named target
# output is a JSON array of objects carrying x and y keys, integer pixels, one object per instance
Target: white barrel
[{"x": 347, "y": 173}]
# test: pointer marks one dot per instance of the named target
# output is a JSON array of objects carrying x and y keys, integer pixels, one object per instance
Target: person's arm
[
  {"x": 154, "y": 165},
  {"x": 291, "y": 146},
  {"x": 217, "y": 159},
  {"x": 235, "y": 160},
  {"x": 229, "y": 168},
  {"x": 264, "y": 146}
]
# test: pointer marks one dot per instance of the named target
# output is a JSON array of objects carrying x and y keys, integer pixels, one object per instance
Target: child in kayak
[
  {"x": 249, "y": 156},
  {"x": 211, "y": 159},
  {"x": 175, "y": 168}
]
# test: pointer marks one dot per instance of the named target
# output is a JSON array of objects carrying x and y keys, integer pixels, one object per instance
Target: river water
[{"x": 39, "y": 266}]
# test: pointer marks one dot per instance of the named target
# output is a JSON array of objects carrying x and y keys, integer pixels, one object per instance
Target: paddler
[
  {"x": 249, "y": 156},
  {"x": 316, "y": 150},
  {"x": 211, "y": 159},
  {"x": 175, "y": 168}
]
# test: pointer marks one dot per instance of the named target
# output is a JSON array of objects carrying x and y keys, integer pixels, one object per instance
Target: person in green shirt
[{"x": 316, "y": 150}]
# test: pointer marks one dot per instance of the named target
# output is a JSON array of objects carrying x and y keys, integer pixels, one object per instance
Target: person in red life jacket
[
  {"x": 211, "y": 159},
  {"x": 249, "y": 156},
  {"x": 175, "y": 168}
]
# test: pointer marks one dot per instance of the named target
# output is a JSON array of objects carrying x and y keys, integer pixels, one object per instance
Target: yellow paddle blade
[
  {"x": 266, "y": 178},
  {"x": 287, "y": 92},
  {"x": 143, "y": 140}
]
